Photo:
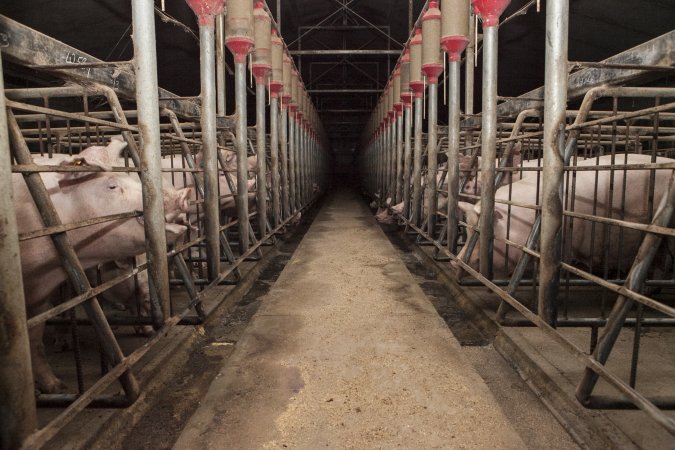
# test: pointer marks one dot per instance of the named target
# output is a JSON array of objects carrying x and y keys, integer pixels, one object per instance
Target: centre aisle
[{"x": 347, "y": 352}]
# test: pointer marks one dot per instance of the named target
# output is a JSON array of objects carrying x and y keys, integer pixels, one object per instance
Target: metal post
[
  {"x": 209, "y": 146},
  {"x": 488, "y": 148},
  {"x": 274, "y": 151},
  {"x": 417, "y": 164},
  {"x": 453, "y": 152},
  {"x": 432, "y": 160},
  {"x": 285, "y": 185},
  {"x": 469, "y": 68},
  {"x": 407, "y": 156},
  {"x": 392, "y": 158},
  {"x": 242, "y": 161},
  {"x": 291, "y": 161},
  {"x": 17, "y": 408},
  {"x": 221, "y": 90},
  {"x": 147, "y": 104},
  {"x": 555, "y": 103},
  {"x": 399, "y": 159},
  {"x": 261, "y": 144}
]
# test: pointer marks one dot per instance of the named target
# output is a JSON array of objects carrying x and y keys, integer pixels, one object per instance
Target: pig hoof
[
  {"x": 145, "y": 330},
  {"x": 50, "y": 386}
]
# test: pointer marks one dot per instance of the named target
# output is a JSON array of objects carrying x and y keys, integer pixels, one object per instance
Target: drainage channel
[
  {"x": 459, "y": 323},
  {"x": 173, "y": 404}
]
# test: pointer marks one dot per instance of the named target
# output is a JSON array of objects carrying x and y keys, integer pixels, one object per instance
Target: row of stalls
[
  {"x": 559, "y": 202},
  {"x": 119, "y": 184}
]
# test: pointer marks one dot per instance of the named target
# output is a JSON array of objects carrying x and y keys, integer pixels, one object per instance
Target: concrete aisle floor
[{"x": 347, "y": 352}]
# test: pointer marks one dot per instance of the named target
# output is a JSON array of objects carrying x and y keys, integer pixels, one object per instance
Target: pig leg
[
  {"x": 143, "y": 298},
  {"x": 43, "y": 376}
]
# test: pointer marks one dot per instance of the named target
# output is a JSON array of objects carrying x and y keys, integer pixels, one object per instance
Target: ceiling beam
[{"x": 345, "y": 52}]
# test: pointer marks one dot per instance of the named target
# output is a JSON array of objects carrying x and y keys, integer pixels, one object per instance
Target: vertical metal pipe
[
  {"x": 242, "y": 161},
  {"x": 147, "y": 101},
  {"x": 399, "y": 159},
  {"x": 392, "y": 159},
  {"x": 285, "y": 184},
  {"x": 432, "y": 160},
  {"x": 469, "y": 68},
  {"x": 17, "y": 408},
  {"x": 407, "y": 157},
  {"x": 261, "y": 144},
  {"x": 274, "y": 152},
  {"x": 291, "y": 161},
  {"x": 453, "y": 152},
  {"x": 209, "y": 147},
  {"x": 488, "y": 148},
  {"x": 417, "y": 164},
  {"x": 302, "y": 149},
  {"x": 221, "y": 90},
  {"x": 555, "y": 103}
]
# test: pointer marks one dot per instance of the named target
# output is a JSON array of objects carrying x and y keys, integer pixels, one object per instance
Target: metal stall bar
[
  {"x": 555, "y": 103},
  {"x": 17, "y": 408},
  {"x": 417, "y": 163},
  {"x": 71, "y": 263},
  {"x": 32, "y": 48},
  {"x": 453, "y": 153},
  {"x": 242, "y": 163},
  {"x": 261, "y": 144},
  {"x": 209, "y": 138},
  {"x": 574, "y": 132},
  {"x": 488, "y": 148},
  {"x": 145, "y": 68},
  {"x": 285, "y": 181},
  {"x": 274, "y": 152}
]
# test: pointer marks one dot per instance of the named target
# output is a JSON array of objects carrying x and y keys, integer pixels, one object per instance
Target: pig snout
[{"x": 176, "y": 202}]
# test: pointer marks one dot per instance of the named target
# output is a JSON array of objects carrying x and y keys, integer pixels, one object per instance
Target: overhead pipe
[
  {"x": 455, "y": 19},
  {"x": 432, "y": 67},
  {"x": 17, "y": 409},
  {"x": 206, "y": 10},
  {"x": 417, "y": 86},
  {"x": 261, "y": 67},
  {"x": 276, "y": 85},
  {"x": 239, "y": 40},
  {"x": 555, "y": 104},
  {"x": 489, "y": 12}
]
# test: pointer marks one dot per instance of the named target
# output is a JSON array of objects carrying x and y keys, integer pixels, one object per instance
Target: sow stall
[
  {"x": 232, "y": 211},
  {"x": 567, "y": 249}
]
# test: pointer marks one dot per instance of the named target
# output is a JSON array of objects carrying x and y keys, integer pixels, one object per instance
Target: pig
[
  {"x": 389, "y": 214},
  {"x": 227, "y": 204},
  {"x": 78, "y": 196},
  {"x": 522, "y": 219}
]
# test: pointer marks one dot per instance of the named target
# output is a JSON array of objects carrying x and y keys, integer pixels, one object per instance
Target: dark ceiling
[{"x": 598, "y": 29}]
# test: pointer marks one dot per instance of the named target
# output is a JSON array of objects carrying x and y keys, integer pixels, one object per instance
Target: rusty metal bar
[
  {"x": 17, "y": 409},
  {"x": 555, "y": 102},
  {"x": 69, "y": 259},
  {"x": 145, "y": 68},
  {"x": 209, "y": 143}
]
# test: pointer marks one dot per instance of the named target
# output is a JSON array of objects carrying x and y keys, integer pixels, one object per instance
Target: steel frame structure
[
  {"x": 43, "y": 121},
  {"x": 604, "y": 124}
]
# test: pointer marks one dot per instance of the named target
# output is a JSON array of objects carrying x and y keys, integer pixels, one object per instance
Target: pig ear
[
  {"x": 116, "y": 147},
  {"x": 498, "y": 215}
]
